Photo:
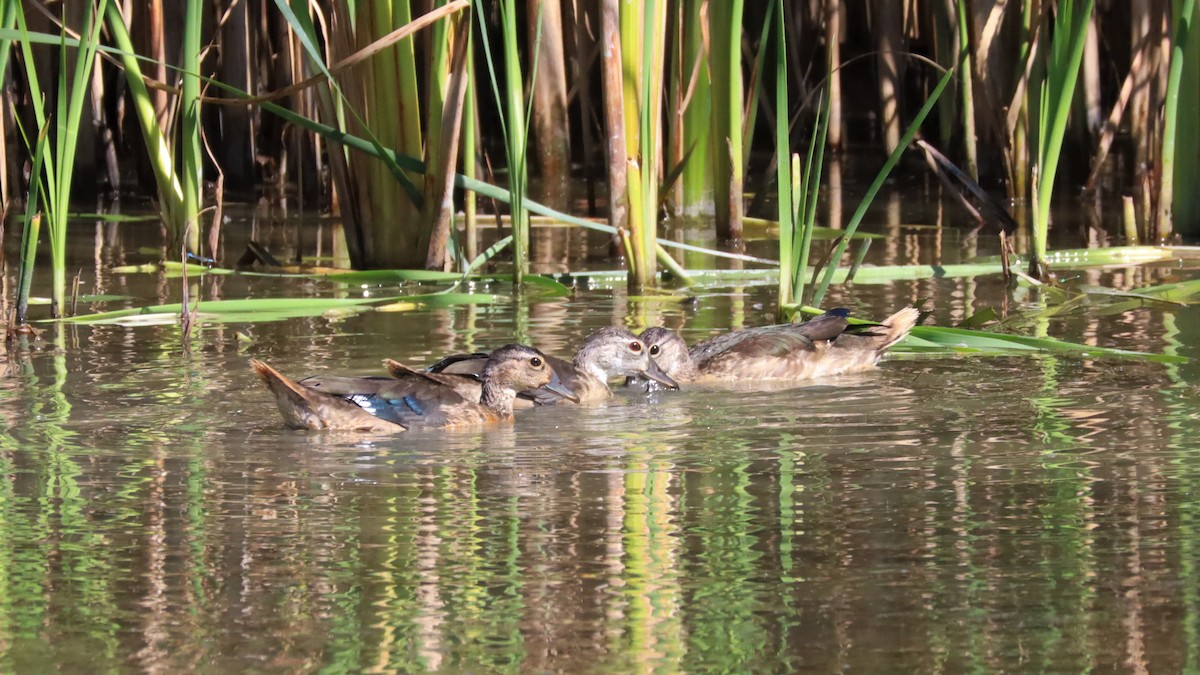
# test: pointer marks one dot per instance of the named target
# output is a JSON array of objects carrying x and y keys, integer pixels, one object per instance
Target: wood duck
[
  {"x": 823, "y": 346},
  {"x": 412, "y": 399},
  {"x": 608, "y": 353}
]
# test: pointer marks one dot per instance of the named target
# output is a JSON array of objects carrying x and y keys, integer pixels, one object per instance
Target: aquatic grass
[
  {"x": 1179, "y": 162},
  {"x": 928, "y": 340},
  {"x": 894, "y": 157},
  {"x": 191, "y": 146},
  {"x": 381, "y": 97},
  {"x": 513, "y": 116},
  {"x": 160, "y": 154},
  {"x": 642, "y": 57},
  {"x": 58, "y": 165},
  {"x": 256, "y": 310},
  {"x": 787, "y": 174},
  {"x": 494, "y": 192},
  {"x": 402, "y": 163},
  {"x": 690, "y": 108},
  {"x": 725, "y": 64},
  {"x": 32, "y": 225},
  {"x": 449, "y": 78},
  {"x": 795, "y": 240},
  {"x": 1053, "y": 110},
  {"x": 962, "y": 16}
]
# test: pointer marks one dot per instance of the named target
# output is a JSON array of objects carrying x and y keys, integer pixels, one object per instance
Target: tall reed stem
[
  {"x": 1183, "y": 48},
  {"x": 189, "y": 107},
  {"x": 170, "y": 191},
  {"x": 1066, "y": 55},
  {"x": 514, "y": 112},
  {"x": 725, "y": 30},
  {"x": 877, "y": 184},
  {"x": 966, "y": 88}
]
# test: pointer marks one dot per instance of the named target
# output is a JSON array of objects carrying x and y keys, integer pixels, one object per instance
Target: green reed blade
[
  {"x": 962, "y": 15},
  {"x": 892, "y": 159},
  {"x": 926, "y": 339},
  {"x": 191, "y": 146},
  {"x": 814, "y": 164},
  {"x": 784, "y": 170},
  {"x": 516, "y": 141},
  {"x": 32, "y": 225},
  {"x": 1066, "y": 55},
  {"x": 725, "y": 29},
  {"x": 254, "y": 310},
  {"x": 170, "y": 190},
  {"x": 756, "y": 81},
  {"x": 487, "y": 255},
  {"x": 8, "y": 20},
  {"x": 512, "y": 120},
  {"x": 1180, "y": 131},
  {"x": 59, "y": 162}
]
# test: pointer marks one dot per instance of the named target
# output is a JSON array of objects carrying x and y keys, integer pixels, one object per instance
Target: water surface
[{"x": 943, "y": 513}]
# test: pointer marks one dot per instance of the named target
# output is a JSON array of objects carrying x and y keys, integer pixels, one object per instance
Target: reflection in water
[{"x": 940, "y": 514}]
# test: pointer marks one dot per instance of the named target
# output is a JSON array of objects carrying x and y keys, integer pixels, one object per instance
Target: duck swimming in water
[
  {"x": 412, "y": 399},
  {"x": 606, "y": 354},
  {"x": 821, "y": 347}
]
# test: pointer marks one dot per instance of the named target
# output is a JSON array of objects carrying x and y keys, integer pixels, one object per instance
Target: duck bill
[
  {"x": 658, "y": 375},
  {"x": 556, "y": 387}
]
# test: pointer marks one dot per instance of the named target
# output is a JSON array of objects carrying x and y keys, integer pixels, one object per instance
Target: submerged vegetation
[{"x": 376, "y": 111}]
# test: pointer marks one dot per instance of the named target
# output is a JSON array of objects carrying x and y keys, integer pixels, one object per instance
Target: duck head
[
  {"x": 615, "y": 352},
  {"x": 513, "y": 368},
  {"x": 670, "y": 352}
]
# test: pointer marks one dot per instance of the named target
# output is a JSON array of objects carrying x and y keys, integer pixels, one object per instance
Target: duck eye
[
  {"x": 635, "y": 347},
  {"x": 535, "y": 362},
  {"x": 654, "y": 350}
]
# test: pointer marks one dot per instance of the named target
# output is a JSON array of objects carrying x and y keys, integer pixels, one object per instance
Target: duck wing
[
  {"x": 341, "y": 385},
  {"x": 777, "y": 341},
  {"x": 418, "y": 399},
  {"x": 460, "y": 364},
  {"x": 304, "y": 407},
  {"x": 750, "y": 345},
  {"x": 463, "y": 380}
]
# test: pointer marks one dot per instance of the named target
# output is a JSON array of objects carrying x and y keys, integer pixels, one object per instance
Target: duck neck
[
  {"x": 686, "y": 370},
  {"x": 497, "y": 398},
  {"x": 591, "y": 381}
]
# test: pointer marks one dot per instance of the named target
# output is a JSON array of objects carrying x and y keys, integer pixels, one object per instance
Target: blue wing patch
[
  {"x": 400, "y": 411},
  {"x": 413, "y": 404}
]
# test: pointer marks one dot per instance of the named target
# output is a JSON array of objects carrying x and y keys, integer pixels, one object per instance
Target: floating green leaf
[
  {"x": 925, "y": 339},
  {"x": 244, "y": 310},
  {"x": 378, "y": 277}
]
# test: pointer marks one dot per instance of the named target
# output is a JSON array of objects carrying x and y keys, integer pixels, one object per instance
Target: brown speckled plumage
[
  {"x": 411, "y": 398},
  {"x": 824, "y": 346}
]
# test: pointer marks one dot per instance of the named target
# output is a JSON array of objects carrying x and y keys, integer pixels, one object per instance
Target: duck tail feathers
[
  {"x": 897, "y": 326},
  {"x": 299, "y": 405}
]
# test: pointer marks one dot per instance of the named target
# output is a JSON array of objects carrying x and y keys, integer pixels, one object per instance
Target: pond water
[{"x": 943, "y": 513}]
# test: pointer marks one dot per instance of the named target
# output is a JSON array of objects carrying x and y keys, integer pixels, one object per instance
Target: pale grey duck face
[
  {"x": 669, "y": 351},
  {"x": 615, "y": 352}
]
